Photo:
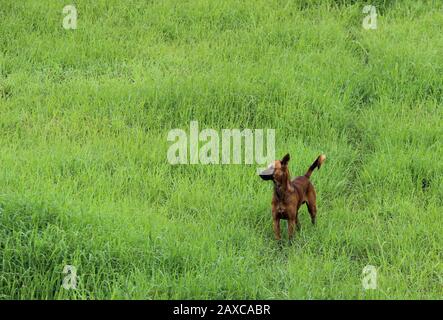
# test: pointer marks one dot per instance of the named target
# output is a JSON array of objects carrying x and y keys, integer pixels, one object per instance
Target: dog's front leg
[
  {"x": 276, "y": 223},
  {"x": 291, "y": 226}
]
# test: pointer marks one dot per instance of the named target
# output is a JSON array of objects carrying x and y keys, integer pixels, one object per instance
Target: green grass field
[{"x": 84, "y": 178}]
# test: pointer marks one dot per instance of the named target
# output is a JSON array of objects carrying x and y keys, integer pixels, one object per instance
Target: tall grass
[{"x": 84, "y": 179}]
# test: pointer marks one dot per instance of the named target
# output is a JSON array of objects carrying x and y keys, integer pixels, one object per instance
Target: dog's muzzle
[{"x": 267, "y": 174}]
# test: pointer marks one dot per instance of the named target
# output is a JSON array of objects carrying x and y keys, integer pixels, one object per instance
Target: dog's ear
[{"x": 285, "y": 159}]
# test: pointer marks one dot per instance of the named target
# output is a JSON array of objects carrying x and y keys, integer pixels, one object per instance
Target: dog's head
[{"x": 277, "y": 170}]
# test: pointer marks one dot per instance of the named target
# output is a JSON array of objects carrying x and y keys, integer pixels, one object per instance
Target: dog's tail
[{"x": 317, "y": 164}]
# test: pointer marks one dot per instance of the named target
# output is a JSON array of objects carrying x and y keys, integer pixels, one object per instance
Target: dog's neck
[{"x": 282, "y": 187}]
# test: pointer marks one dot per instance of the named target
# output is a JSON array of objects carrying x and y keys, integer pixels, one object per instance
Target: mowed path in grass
[{"x": 84, "y": 178}]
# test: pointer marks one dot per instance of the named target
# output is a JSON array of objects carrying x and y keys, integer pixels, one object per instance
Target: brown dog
[{"x": 290, "y": 195}]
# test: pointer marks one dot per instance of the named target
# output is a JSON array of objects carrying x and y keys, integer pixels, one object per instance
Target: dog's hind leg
[{"x": 312, "y": 206}]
